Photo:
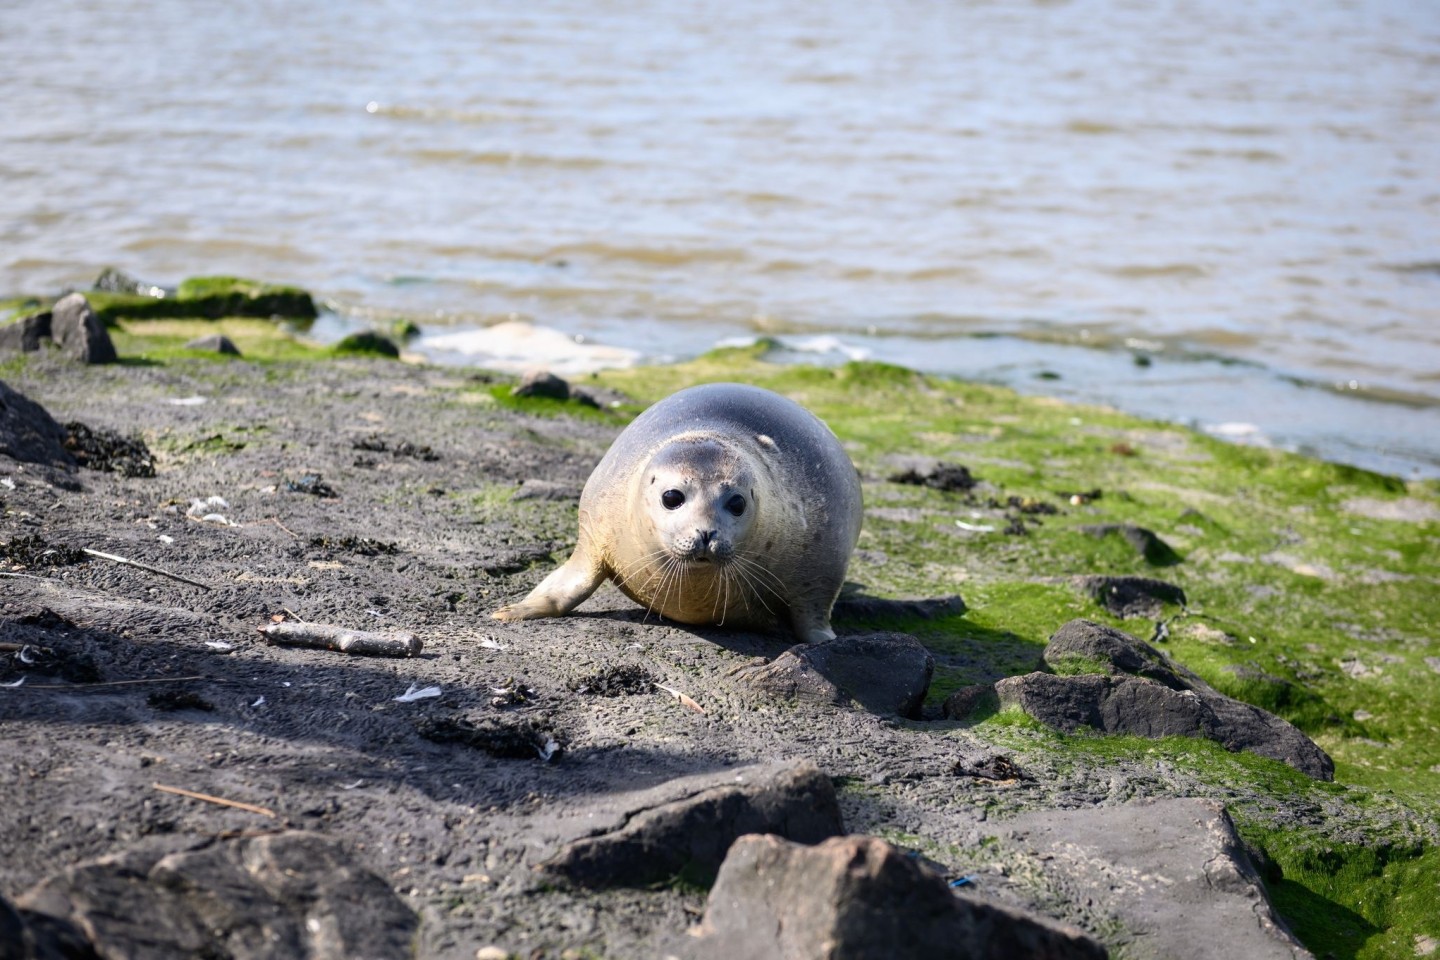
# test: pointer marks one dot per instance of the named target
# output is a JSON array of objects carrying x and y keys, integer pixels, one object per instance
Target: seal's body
[{"x": 723, "y": 504}]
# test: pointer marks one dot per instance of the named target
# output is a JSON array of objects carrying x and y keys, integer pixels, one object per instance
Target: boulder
[
  {"x": 1172, "y": 871},
  {"x": 854, "y": 898},
  {"x": 688, "y": 837},
  {"x": 885, "y": 673},
  {"x": 78, "y": 332},
  {"x": 289, "y": 894},
  {"x": 28, "y": 433},
  {"x": 214, "y": 343},
  {"x": 27, "y": 334}
]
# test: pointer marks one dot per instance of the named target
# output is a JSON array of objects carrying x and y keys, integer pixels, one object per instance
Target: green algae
[{"x": 164, "y": 340}]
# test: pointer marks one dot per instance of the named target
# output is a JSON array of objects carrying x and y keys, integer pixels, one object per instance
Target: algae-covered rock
[
  {"x": 208, "y": 298},
  {"x": 367, "y": 343}
]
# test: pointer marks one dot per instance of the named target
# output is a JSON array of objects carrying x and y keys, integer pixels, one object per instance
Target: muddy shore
[{"x": 376, "y": 495}]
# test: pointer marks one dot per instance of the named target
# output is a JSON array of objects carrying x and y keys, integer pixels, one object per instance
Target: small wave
[
  {"x": 655, "y": 256},
  {"x": 1420, "y": 267},
  {"x": 207, "y": 249},
  {"x": 1251, "y": 156},
  {"x": 1159, "y": 271},
  {"x": 504, "y": 158},
  {"x": 1092, "y": 128},
  {"x": 438, "y": 114}
]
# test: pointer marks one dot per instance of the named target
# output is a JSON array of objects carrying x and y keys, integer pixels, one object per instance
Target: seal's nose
[{"x": 707, "y": 538}]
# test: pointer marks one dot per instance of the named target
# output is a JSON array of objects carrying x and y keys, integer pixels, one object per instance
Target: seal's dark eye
[
  {"x": 736, "y": 505},
  {"x": 672, "y": 499}
]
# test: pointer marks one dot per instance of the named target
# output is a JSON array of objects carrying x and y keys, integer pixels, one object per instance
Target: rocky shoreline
[{"x": 1015, "y": 771}]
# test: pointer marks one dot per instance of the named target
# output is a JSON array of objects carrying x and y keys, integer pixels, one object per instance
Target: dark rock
[
  {"x": 596, "y": 396},
  {"x": 546, "y": 490},
  {"x": 28, "y": 433},
  {"x": 852, "y": 898},
  {"x": 938, "y": 476},
  {"x": 966, "y": 701},
  {"x": 16, "y": 942},
  {"x": 1189, "y": 890},
  {"x": 1244, "y": 726},
  {"x": 541, "y": 383},
  {"x": 1144, "y": 693},
  {"x": 112, "y": 280},
  {"x": 1131, "y": 596},
  {"x": 1088, "y": 642},
  {"x": 1130, "y": 705},
  {"x": 25, "y": 935},
  {"x": 214, "y": 343},
  {"x": 860, "y": 607},
  {"x": 313, "y": 484},
  {"x": 1146, "y": 543},
  {"x": 78, "y": 332},
  {"x": 689, "y": 837},
  {"x": 27, "y": 334},
  {"x": 291, "y": 894},
  {"x": 883, "y": 672}
]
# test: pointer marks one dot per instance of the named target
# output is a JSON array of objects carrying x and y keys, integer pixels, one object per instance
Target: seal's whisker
[
  {"x": 755, "y": 585},
  {"x": 757, "y": 575}
]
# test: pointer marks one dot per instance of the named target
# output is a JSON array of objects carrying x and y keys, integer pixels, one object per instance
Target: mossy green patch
[
  {"x": 1353, "y": 900},
  {"x": 549, "y": 406},
  {"x": 258, "y": 340}
]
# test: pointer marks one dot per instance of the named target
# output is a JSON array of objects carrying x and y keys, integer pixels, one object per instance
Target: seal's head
[{"x": 699, "y": 498}]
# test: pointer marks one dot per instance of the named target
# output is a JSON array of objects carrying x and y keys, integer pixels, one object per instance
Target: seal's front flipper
[
  {"x": 564, "y": 590},
  {"x": 811, "y": 623}
]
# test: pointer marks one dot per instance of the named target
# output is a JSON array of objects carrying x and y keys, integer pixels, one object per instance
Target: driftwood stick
[
  {"x": 145, "y": 566},
  {"x": 327, "y": 637},
  {"x": 248, "y": 807}
]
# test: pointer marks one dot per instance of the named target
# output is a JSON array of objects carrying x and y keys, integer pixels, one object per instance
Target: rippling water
[{"x": 1247, "y": 194}]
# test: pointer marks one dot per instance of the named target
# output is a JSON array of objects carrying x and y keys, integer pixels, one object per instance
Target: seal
[{"x": 722, "y": 504}]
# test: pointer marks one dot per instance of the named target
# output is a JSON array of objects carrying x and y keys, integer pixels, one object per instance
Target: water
[{"x": 1245, "y": 194}]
